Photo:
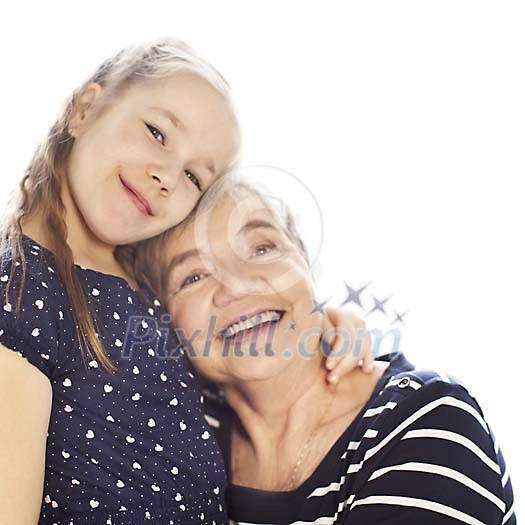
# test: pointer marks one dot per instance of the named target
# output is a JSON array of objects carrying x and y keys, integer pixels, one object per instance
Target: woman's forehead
[{"x": 226, "y": 219}]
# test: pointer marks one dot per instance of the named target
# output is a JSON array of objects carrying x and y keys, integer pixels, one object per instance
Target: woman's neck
[
  {"x": 292, "y": 402},
  {"x": 270, "y": 410},
  {"x": 292, "y": 421}
]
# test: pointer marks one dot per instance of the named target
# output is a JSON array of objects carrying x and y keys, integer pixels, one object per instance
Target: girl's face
[
  {"x": 140, "y": 168},
  {"x": 238, "y": 274}
]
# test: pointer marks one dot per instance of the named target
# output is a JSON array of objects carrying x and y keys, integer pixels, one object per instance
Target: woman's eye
[
  {"x": 191, "y": 279},
  {"x": 156, "y": 133},
  {"x": 194, "y": 179},
  {"x": 263, "y": 249}
]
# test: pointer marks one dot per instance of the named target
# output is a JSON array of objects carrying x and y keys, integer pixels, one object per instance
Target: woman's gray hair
[
  {"x": 234, "y": 181},
  {"x": 151, "y": 260}
]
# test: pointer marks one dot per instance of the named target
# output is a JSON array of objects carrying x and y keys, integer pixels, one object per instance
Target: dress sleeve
[
  {"x": 439, "y": 465},
  {"x": 37, "y": 332}
]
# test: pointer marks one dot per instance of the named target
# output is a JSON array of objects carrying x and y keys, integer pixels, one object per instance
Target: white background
[{"x": 406, "y": 119}]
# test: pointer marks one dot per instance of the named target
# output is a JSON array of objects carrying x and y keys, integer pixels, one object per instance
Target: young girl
[{"x": 102, "y": 421}]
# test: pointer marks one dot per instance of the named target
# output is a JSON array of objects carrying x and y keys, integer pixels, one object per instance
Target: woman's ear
[{"x": 82, "y": 108}]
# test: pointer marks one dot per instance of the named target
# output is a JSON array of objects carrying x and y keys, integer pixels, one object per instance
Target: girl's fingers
[
  {"x": 367, "y": 355},
  {"x": 343, "y": 357}
]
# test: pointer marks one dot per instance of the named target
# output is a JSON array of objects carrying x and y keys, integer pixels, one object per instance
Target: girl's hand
[{"x": 353, "y": 332}]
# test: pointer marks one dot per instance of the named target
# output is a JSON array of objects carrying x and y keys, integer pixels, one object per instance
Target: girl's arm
[{"x": 25, "y": 410}]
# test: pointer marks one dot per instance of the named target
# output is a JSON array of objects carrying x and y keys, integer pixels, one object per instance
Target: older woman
[{"x": 401, "y": 445}]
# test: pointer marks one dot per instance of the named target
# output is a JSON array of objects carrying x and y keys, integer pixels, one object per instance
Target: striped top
[{"x": 419, "y": 452}]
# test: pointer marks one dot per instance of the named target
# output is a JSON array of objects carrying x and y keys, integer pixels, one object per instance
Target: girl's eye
[
  {"x": 194, "y": 179},
  {"x": 154, "y": 130}
]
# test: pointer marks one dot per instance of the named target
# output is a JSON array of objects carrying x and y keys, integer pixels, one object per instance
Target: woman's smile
[{"x": 264, "y": 324}]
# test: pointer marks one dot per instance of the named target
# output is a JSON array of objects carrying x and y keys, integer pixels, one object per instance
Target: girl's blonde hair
[{"x": 40, "y": 187}]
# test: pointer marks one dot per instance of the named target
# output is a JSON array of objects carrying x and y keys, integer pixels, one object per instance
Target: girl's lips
[{"x": 137, "y": 200}]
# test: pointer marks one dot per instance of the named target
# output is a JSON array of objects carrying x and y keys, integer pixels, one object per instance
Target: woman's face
[
  {"x": 248, "y": 268},
  {"x": 135, "y": 147}
]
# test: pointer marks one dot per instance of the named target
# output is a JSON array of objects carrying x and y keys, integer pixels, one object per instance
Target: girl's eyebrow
[{"x": 170, "y": 116}]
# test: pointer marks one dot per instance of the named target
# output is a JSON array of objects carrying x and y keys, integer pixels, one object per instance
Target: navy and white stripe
[{"x": 420, "y": 452}]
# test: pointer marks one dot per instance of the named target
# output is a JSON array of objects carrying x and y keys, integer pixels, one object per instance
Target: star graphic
[
  {"x": 399, "y": 317},
  {"x": 379, "y": 305},
  {"x": 292, "y": 327},
  {"x": 353, "y": 295},
  {"x": 318, "y": 306}
]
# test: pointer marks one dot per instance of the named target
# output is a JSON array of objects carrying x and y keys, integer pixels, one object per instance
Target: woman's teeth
[{"x": 258, "y": 319}]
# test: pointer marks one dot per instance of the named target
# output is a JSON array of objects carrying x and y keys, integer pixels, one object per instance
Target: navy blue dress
[{"x": 122, "y": 449}]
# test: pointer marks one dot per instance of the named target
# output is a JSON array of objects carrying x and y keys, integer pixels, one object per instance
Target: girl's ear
[{"x": 82, "y": 107}]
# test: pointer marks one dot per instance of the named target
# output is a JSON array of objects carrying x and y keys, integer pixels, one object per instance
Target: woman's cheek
[{"x": 288, "y": 272}]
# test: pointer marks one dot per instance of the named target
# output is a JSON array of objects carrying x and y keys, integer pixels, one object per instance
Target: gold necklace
[{"x": 291, "y": 479}]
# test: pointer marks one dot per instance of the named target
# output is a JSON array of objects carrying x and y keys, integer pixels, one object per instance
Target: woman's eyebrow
[
  {"x": 182, "y": 257},
  {"x": 255, "y": 224}
]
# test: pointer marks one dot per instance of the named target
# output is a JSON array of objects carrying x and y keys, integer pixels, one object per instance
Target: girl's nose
[{"x": 166, "y": 179}]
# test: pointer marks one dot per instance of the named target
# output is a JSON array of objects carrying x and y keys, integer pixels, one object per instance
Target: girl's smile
[{"x": 136, "y": 197}]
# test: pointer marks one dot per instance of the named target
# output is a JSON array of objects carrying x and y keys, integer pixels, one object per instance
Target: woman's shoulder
[
  {"x": 425, "y": 429},
  {"x": 410, "y": 397},
  {"x": 404, "y": 380}
]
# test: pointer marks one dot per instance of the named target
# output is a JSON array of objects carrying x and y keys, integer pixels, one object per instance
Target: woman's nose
[{"x": 235, "y": 288}]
